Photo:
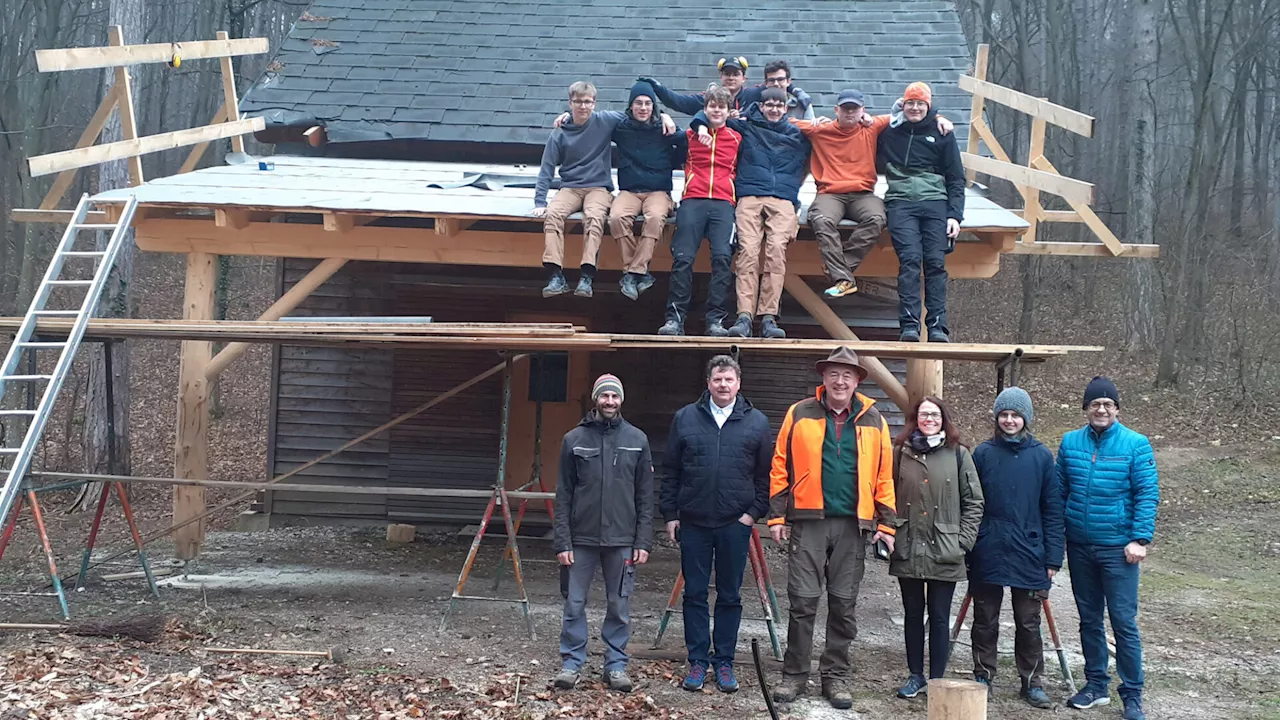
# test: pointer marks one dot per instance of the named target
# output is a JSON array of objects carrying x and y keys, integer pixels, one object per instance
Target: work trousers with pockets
[
  {"x": 575, "y": 584},
  {"x": 653, "y": 208},
  {"x": 1028, "y": 644},
  {"x": 698, "y": 218},
  {"x": 594, "y": 204},
  {"x": 829, "y": 550},
  {"x": 1105, "y": 583},
  {"x": 937, "y": 596},
  {"x": 767, "y": 223},
  {"x": 723, "y": 549},
  {"x": 841, "y": 258},
  {"x": 919, "y": 233}
]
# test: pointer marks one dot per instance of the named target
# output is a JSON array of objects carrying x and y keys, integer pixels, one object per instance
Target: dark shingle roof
[{"x": 499, "y": 71}]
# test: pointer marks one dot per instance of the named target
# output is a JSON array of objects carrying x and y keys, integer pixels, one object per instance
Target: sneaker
[
  {"x": 741, "y": 328},
  {"x": 790, "y": 688},
  {"x": 915, "y": 685},
  {"x": 696, "y": 678},
  {"x": 567, "y": 679},
  {"x": 769, "y": 328},
  {"x": 645, "y": 282},
  {"x": 841, "y": 288},
  {"x": 618, "y": 680},
  {"x": 837, "y": 694},
  {"x": 909, "y": 334},
  {"x": 584, "y": 286},
  {"x": 717, "y": 329},
  {"x": 557, "y": 285},
  {"x": 938, "y": 335},
  {"x": 1133, "y": 709},
  {"x": 1089, "y": 697},
  {"x": 629, "y": 290},
  {"x": 991, "y": 689},
  {"x": 1036, "y": 697},
  {"x": 672, "y": 327},
  {"x": 725, "y": 679}
]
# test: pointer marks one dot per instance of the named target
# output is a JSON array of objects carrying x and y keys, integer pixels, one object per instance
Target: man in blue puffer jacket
[
  {"x": 1110, "y": 486},
  {"x": 715, "y": 487}
]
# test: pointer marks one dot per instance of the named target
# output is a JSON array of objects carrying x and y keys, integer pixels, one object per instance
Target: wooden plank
[
  {"x": 316, "y": 136},
  {"x": 87, "y": 138},
  {"x": 1064, "y": 117},
  {"x": 278, "y": 309},
  {"x": 989, "y": 138},
  {"x": 197, "y": 152},
  {"x": 1085, "y": 250},
  {"x": 87, "y": 58},
  {"x": 1086, "y": 213},
  {"x": 84, "y": 157},
  {"x": 976, "y": 106},
  {"x": 58, "y": 217},
  {"x": 230, "y": 100},
  {"x": 1030, "y": 196},
  {"x": 191, "y": 444},
  {"x": 1067, "y": 188},
  {"x": 1067, "y": 216},
  {"x": 128, "y": 120}
]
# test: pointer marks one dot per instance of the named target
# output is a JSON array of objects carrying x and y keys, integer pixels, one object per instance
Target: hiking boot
[
  {"x": 672, "y": 327},
  {"x": 991, "y": 688},
  {"x": 1089, "y": 697},
  {"x": 841, "y": 288},
  {"x": 567, "y": 679},
  {"x": 557, "y": 285},
  {"x": 1133, "y": 709},
  {"x": 915, "y": 685},
  {"x": 837, "y": 694},
  {"x": 741, "y": 328},
  {"x": 789, "y": 689},
  {"x": 769, "y": 328},
  {"x": 725, "y": 679},
  {"x": 629, "y": 290},
  {"x": 909, "y": 334},
  {"x": 584, "y": 286},
  {"x": 645, "y": 282},
  {"x": 1036, "y": 697},
  {"x": 939, "y": 335},
  {"x": 716, "y": 328},
  {"x": 618, "y": 680},
  {"x": 696, "y": 678}
]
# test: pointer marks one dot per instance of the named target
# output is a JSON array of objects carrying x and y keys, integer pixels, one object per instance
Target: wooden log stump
[
  {"x": 400, "y": 534},
  {"x": 957, "y": 700}
]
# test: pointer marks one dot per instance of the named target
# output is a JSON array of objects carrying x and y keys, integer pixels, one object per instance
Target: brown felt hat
[{"x": 842, "y": 356}]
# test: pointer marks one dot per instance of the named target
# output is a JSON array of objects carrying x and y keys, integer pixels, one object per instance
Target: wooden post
[
  {"x": 1032, "y": 209},
  {"x": 231, "y": 104},
  {"x": 957, "y": 700},
  {"x": 924, "y": 377},
  {"x": 128, "y": 122},
  {"x": 975, "y": 108},
  {"x": 878, "y": 373},
  {"x": 191, "y": 445}
]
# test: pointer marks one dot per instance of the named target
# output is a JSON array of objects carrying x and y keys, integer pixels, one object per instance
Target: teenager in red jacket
[{"x": 706, "y": 210}]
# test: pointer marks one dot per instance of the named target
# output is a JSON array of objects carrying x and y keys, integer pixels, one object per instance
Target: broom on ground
[{"x": 145, "y": 628}]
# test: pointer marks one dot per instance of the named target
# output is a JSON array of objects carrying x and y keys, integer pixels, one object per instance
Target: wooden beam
[
  {"x": 230, "y": 100},
  {"x": 287, "y": 302},
  {"x": 231, "y": 218},
  {"x": 103, "y": 57},
  {"x": 924, "y": 378},
  {"x": 316, "y": 136},
  {"x": 128, "y": 121},
  {"x": 87, "y": 138},
  {"x": 1067, "y": 216},
  {"x": 197, "y": 152},
  {"x": 57, "y": 217},
  {"x": 1064, "y": 117},
  {"x": 1031, "y": 207},
  {"x": 84, "y": 157},
  {"x": 988, "y": 137},
  {"x": 191, "y": 444},
  {"x": 1086, "y": 213},
  {"x": 976, "y": 106},
  {"x": 1084, "y": 250},
  {"x": 450, "y": 227},
  {"x": 1065, "y": 187},
  {"x": 814, "y": 305}
]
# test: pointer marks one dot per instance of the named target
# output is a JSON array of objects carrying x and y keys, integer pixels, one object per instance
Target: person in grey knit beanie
[{"x": 1015, "y": 399}]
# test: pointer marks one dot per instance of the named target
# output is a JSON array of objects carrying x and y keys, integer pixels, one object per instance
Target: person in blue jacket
[
  {"x": 1111, "y": 490},
  {"x": 1020, "y": 543},
  {"x": 715, "y": 487},
  {"x": 733, "y": 77}
]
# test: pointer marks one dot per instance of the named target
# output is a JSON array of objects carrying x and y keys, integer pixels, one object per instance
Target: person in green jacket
[{"x": 940, "y": 503}]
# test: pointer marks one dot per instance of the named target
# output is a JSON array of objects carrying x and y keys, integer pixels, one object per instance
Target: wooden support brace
[
  {"x": 976, "y": 106},
  {"x": 55, "y": 162},
  {"x": 1090, "y": 249},
  {"x": 814, "y": 305},
  {"x": 988, "y": 137},
  {"x": 1063, "y": 117},
  {"x": 197, "y": 151},
  {"x": 230, "y": 101},
  {"x": 345, "y": 222},
  {"x": 287, "y": 302},
  {"x": 1067, "y": 188},
  {"x": 231, "y": 218},
  {"x": 1030, "y": 195},
  {"x": 1066, "y": 216},
  {"x": 57, "y": 217},
  {"x": 1086, "y": 213},
  {"x": 449, "y": 227},
  {"x": 87, "y": 138},
  {"x": 191, "y": 446},
  {"x": 120, "y": 55}
]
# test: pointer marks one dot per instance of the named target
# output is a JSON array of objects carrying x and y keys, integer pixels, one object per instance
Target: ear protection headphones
[{"x": 740, "y": 61}]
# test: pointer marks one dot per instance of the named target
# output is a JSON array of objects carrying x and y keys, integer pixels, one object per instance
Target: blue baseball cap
[{"x": 853, "y": 97}]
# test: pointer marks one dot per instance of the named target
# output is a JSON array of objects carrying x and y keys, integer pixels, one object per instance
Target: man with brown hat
[{"x": 831, "y": 482}]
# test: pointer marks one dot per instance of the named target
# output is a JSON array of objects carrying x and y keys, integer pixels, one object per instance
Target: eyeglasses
[
  {"x": 916, "y": 104},
  {"x": 583, "y": 102},
  {"x": 1102, "y": 405},
  {"x": 775, "y": 105},
  {"x": 776, "y": 80},
  {"x": 929, "y": 415}
]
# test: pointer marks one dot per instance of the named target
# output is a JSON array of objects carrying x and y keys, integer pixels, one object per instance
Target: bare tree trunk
[{"x": 1140, "y": 219}]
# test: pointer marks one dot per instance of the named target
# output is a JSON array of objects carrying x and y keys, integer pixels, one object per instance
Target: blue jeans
[
  {"x": 698, "y": 218},
  {"x": 701, "y": 548},
  {"x": 1102, "y": 579},
  {"x": 919, "y": 234},
  {"x": 619, "y": 580}
]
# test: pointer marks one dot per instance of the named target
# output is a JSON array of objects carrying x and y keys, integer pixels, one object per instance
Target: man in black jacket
[
  {"x": 715, "y": 486},
  {"x": 604, "y": 517}
]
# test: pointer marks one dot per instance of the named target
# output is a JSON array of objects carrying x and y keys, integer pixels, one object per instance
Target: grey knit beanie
[{"x": 1015, "y": 399}]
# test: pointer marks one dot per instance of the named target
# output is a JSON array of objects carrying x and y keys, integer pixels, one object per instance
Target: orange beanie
[{"x": 919, "y": 91}]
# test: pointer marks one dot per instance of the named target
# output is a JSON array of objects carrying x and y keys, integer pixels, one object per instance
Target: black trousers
[
  {"x": 1028, "y": 644},
  {"x": 698, "y": 218},
  {"x": 936, "y": 595},
  {"x": 919, "y": 233}
]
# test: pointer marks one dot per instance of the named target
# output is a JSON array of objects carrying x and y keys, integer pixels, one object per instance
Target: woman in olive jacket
[{"x": 939, "y": 509}]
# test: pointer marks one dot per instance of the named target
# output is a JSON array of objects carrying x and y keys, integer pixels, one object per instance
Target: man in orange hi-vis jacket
[{"x": 831, "y": 482}]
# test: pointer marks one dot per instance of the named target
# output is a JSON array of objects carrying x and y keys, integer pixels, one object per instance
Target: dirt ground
[{"x": 1210, "y": 621}]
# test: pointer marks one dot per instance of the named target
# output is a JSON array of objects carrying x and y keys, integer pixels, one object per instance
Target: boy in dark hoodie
[{"x": 924, "y": 205}]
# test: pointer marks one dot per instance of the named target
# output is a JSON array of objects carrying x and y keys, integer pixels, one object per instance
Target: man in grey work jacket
[{"x": 604, "y": 517}]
